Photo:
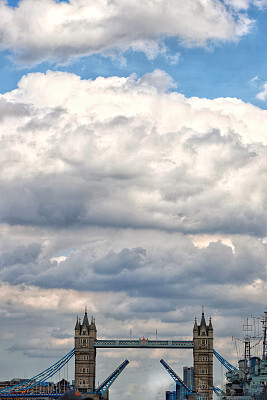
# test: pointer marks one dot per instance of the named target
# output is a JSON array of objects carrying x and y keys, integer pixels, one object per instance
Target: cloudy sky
[{"x": 133, "y": 178}]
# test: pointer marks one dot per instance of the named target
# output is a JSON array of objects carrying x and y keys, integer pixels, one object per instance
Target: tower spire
[
  {"x": 78, "y": 324},
  {"x": 85, "y": 319},
  {"x": 210, "y": 324},
  {"x": 203, "y": 322}
]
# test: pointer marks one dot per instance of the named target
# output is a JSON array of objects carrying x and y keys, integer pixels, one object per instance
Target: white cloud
[
  {"x": 263, "y": 94},
  {"x": 135, "y": 200},
  {"x": 191, "y": 165},
  {"x": 238, "y": 4},
  {"x": 261, "y": 4},
  {"x": 254, "y": 82},
  {"x": 57, "y": 31},
  {"x": 245, "y": 4}
]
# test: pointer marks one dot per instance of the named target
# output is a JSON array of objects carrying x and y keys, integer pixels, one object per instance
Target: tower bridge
[{"x": 86, "y": 344}]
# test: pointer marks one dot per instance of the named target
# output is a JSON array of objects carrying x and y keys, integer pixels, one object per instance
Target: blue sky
[
  {"x": 222, "y": 69},
  {"x": 132, "y": 178}
]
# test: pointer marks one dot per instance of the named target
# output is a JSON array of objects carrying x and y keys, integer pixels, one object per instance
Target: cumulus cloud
[
  {"x": 57, "y": 31},
  {"x": 86, "y": 152},
  {"x": 123, "y": 194},
  {"x": 154, "y": 273},
  {"x": 114, "y": 263}
]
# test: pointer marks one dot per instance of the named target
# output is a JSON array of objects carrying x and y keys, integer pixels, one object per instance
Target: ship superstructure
[{"x": 249, "y": 381}]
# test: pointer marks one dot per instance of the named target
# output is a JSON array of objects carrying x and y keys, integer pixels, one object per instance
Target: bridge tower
[
  {"x": 203, "y": 358},
  {"x": 85, "y": 354}
]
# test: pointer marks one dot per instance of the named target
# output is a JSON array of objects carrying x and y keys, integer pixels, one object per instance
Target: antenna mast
[
  {"x": 264, "y": 326},
  {"x": 247, "y": 328},
  {"x": 263, "y": 320}
]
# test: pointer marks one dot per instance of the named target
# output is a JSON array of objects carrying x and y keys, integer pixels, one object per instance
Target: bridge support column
[
  {"x": 203, "y": 358},
  {"x": 85, "y": 354}
]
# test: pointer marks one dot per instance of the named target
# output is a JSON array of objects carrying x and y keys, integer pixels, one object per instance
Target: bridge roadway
[{"x": 145, "y": 343}]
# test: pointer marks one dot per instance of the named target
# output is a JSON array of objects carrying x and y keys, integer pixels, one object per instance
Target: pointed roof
[
  {"x": 195, "y": 325},
  {"x": 92, "y": 325},
  {"x": 85, "y": 320},
  {"x": 210, "y": 325},
  {"x": 78, "y": 324},
  {"x": 203, "y": 322}
]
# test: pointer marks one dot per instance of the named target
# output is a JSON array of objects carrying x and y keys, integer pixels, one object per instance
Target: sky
[{"x": 133, "y": 179}]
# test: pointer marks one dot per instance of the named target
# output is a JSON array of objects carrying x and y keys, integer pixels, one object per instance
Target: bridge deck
[{"x": 145, "y": 343}]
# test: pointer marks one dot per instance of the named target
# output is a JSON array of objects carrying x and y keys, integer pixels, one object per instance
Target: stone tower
[
  {"x": 203, "y": 358},
  {"x": 85, "y": 354}
]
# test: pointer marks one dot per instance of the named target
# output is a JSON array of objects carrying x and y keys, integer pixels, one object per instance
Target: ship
[{"x": 249, "y": 380}]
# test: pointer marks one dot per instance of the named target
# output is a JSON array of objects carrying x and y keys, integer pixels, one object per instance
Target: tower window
[
  {"x": 202, "y": 385},
  {"x": 203, "y": 371},
  {"x": 204, "y": 343}
]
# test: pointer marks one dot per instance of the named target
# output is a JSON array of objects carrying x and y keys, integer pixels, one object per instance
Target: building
[
  {"x": 203, "y": 358},
  {"x": 181, "y": 392},
  {"x": 171, "y": 395},
  {"x": 63, "y": 386},
  {"x": 85, "y": 354},
  {"x": 188, "y": 377}
]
